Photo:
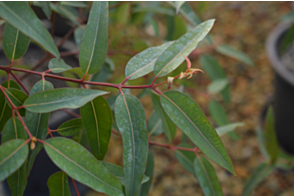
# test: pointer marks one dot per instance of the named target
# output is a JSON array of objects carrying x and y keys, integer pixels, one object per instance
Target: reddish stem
[
  {"x": 173, "y": 147},
  {"x": 19, "y": 82},
  {"x": 76, "y": 188}
]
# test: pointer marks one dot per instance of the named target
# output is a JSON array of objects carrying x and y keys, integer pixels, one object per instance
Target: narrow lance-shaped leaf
[
  {"x": 186, "y": 158},
  {"x": 70, "y": 157},
  {"x": 169, "y": 128},
  {"x": 5, "y": 110},
  {"x": 12, "y": 155},
  {"x": 178, "y": 5},
  {"x": 15, "y": 43},
  {"x": 119, "y": 173},
  {"x": 95, "y": 39},
  {"x": 149, "y": 172},
  {"x": 58, "y": 184},
  {"x": 67, "y": 12},
  {"x": 21, "y": 16},
  {"x": 18, "y": 180},
  {"x": 81, "y": 138},
  {"x": 46, "y": 8},
  {"x": 270, "y": 139},
  {"x": 189, "y": 14},
  {"x": 51, "y": 100},
  {"x": 71, "y": 127},
  {"x": 219, "y": 115},
  {"x": 261, "y": 172},
  {"x": 188, "y": 116},
  {"x": 37, "y": 123},
  {"x": 97, "y": 120},
  {"x": 131, "y": 121},
  {"x": 143, "y": 63},
  {"x": 228, "y": 128},
  {"x": 207, "y": 177},
  {"x": 215, "y": 71},
  {"x": 154, "y": 125},
  {"x": 172, "y": 57},
  {"x": 217, "y": 86},
  {"x": 57, "y": 66},
  {"x": 17, "y": 97},
  {"x": 236, "y": 54}
]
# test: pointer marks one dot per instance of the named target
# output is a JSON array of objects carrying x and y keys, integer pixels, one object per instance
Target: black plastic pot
[{"x": 284, "y": 90}]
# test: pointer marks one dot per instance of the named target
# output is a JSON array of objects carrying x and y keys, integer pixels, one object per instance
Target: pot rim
[{"x": 271, "y": 48}]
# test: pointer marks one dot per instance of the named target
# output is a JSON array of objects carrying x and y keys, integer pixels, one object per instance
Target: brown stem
[
  {"x": 19, "y": 82},
  {"x": 76, "y": 188}
]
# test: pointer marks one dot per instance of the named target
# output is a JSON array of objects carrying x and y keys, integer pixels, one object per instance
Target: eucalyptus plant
[{"x": 24, "y": 114}]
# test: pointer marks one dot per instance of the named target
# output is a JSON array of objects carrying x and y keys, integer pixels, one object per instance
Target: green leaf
[
  {"x": 2, "y": 22},
  {"x": 219, "y": 115},
  {"x": 270, "y": 139},
  {"x": 217, "y": 85},
  {"x": 236, "y": 54},
  {"x": 17, "y": 97},
  {"x": 58, "y": 184},
  {"x": 67, "y": 12},
  {"x": 12, "y": 155},
  {"x": 287, "y": 40},
  {"x": 261, "y": 172},
  {"x": 81, "y": 138},
  {"x": 154, "y": 9},
  {"x": 78, "y": 35},
  {"x": 154, "y": 125},
  {"x": 131, "y": 121},
  {"x": 73, "y": 3},
  {"x": 119, "y": 173},
  {"x": 5, "y": 110},
  {"x": 37, "y": 123},
  {"x": 188, "y": 116},
  {"x": 18, "y": 180},
  {"x": 105, "y": 72},
  {"x": 57, "y": 66},
  {"x": 51, "y": 100},
  {"x": 186, "y": 158},
  {"x": 172, "y": 57},
  {"x": 207, "y": 177},
  {"x": 95, "y": 39},
  {"x": 71, "y": 127},
  {"x": 215, "y": 71},
  {"x": 21, "y": 16},
  {"x": 149, "y": 172},
  {"x": 178, "y": 5},
  {"x": 176, "y": 27},
  {"x": 143, "y": 63},
  {"x": 169, "y": 128},
  {"x": 82, "y": 166},
  {"x": 46, "y": 8},
  {"x": 228, "y": 128},
  {"x": 15, "y": 43},
  {"x": 189, "y": 14},
  {"x": 97, "y": 120}
]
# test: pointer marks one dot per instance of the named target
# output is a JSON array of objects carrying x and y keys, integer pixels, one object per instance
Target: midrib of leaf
[
  {"x": 183, "y": 156},
  {"x": 20, "y": 19},
  {"x": 133, "y": 139},
  {"x": 155, "y": 127},
  {"x": 94, "y": 44},
  {"x": 15, "y": 129},
  {"x": 207, "y": 176},
  {"x": 8, "y": 157},
  {"x": 97, "y": 129},
  {"x": 13, "y": 96},
  {"x": 14, "y": 46},
  {"x": 197, "y": 129},
  {"x": 69, "y": 127},
  {"x": 79, "y": 166},
  {"x": 178, "y": 52},
  {"x": 58, "y": 101},
  {"x": 2, "y": 113},
  {"x": 142, "y": 68}
]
